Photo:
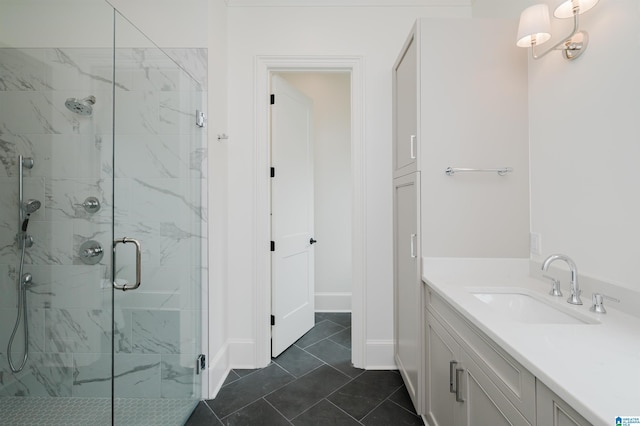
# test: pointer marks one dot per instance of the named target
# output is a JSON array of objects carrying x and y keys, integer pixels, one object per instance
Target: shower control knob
[
  {"x": 91, "y": 205},
  {"x": 91, "y": 252}
]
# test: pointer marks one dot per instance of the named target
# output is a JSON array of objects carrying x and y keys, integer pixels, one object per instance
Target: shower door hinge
[
  {"x": 272, "y": 100},
  {"x": 273, "y": 320},
  {"x": 273, "y": 172},
  {"x": 273, "y": 246},
  {"x": 200, "y": 118},
  {"x": 201, "y": 363}
]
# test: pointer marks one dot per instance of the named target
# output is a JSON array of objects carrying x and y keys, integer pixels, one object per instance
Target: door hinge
[
  {"x": 273, "y": 246},
  {"x": 201, "y": 363},
  {"x": 273, "y": 99},
  {"x": 273, "y": 320},
  {"x": 273, "y": 172}
]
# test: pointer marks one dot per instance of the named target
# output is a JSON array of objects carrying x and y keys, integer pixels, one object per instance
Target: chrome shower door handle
[{"x": 125, "y": 287}]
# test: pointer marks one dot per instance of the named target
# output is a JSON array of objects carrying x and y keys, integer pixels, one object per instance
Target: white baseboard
[
  {"x": 379, "y": 355},
  {"x": 333, "y": 302},
  {"x": 242, "y": 354},
  {"x": 218, "y": 370}
]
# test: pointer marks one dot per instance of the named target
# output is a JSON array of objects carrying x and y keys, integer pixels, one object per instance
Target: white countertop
[{"x": 595, "y": 368}]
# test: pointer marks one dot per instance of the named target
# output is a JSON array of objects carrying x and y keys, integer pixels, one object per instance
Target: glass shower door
[
  {"x": 159, "y": 181},
  {"x": 56, "y": 113}
]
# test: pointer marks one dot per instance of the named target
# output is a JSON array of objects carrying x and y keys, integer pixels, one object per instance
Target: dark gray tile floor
[{"x": 311, "y": 383}]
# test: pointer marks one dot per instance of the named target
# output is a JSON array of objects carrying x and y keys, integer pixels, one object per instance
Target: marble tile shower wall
[{"x": 159, "y": 191}]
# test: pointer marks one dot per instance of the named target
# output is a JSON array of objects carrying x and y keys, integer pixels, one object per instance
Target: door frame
[{"x": 264, "y": 67}]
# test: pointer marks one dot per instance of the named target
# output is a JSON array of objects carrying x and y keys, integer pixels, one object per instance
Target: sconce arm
[{"x": 560, "y": 43}]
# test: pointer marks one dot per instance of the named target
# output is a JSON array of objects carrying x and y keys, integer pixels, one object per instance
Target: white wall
[
  {"x": 37, "y": 23},
  {"x": 585, "y": 143},
  {"x": 330, "y": 93},
  {"x": 375, "y": 33},
  {"x": 584, "y": 133},
  {"x": 169, "y": 23},
  {"x": 473, "y": 115}
]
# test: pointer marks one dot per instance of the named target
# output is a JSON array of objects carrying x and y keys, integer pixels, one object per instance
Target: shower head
[
  {"x": 30, "y": 206},
  {"x": 81, "y": 106}
]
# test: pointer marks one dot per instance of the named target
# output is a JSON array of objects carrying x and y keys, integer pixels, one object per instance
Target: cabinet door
[
  {"x": 405, "y": 84},
  {"x": 408, "y": 312},
  {"x": 553, "y": 411},
  {"x": 440, "y": 351},
  {"x": 484, "y": 404}
]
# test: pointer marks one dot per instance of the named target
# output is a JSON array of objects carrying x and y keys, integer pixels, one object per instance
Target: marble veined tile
[
  {"x": 12, "y": 145},
  {"x": 147, "y": 156},
  {"x": 156, "y": 331},
  {"x": 77, "y": 330},
  {"x": 22, "y": 69},
  {"x": 194, "y": 61},
  {"x": 79, "y": 68},
  {"x": 154, "y": 70},
  {"x": 36, "y": 331},
  {"x": 91, "y": 375},
  {"x": 72, "y": 156},
  {"x": 32, "y": 112},
  {"x": 167, "y": 200},
  {"x": 179, "y": 379},
  {"x": 43, "y": 375},
  {"x": 137, "y": 376},
  {"x": 53, "y": 243},
  {"x": 64, "y": 196},
  {"x": 178, "y": 112},
  {"x": 137, "y": 113},
  {"x": 71, "y": 287}
]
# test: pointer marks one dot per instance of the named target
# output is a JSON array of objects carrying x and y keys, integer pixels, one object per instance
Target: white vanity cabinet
[
  {"x": 470, "y": 380},
  {"x": 484, "y": 385},
  {"x": 458, "y": 391},
  {"x": 553, "y": 411}
]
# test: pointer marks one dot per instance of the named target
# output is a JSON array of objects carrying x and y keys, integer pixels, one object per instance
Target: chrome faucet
[{"x": 574, "y": 298}]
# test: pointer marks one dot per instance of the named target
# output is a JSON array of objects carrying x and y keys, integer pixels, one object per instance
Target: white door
[{"x": 292, "y": 257}]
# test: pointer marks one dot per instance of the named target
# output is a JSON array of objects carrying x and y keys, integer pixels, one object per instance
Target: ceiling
[{"x": 347, "y": 3}]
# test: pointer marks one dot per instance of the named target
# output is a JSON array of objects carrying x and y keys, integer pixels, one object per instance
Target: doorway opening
[
  {"x": 328, "y": 298},
  {"x": 310, "y": 200}
]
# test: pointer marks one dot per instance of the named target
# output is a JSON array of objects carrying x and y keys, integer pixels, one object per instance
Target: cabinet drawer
[{"x": 513, "y": 380}]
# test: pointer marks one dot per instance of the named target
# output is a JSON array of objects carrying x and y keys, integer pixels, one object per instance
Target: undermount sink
[{"x": 521, "y": 306}]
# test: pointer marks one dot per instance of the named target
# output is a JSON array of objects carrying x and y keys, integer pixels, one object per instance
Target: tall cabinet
[
  {"x": 407, "y": 293},
  {"x": 459, "y": 100}
]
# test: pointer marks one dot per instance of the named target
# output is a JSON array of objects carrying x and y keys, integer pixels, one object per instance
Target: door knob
[{"x": 312, "y": 241}]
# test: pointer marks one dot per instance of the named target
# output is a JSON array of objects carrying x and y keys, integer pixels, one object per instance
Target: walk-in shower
[{"x": 98, "y": 144}]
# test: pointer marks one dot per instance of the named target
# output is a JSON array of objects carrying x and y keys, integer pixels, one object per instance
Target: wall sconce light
[{"x": 534, "y": 28}]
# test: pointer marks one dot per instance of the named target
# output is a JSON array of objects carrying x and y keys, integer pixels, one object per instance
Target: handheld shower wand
[{"x": 28, "y": 207}]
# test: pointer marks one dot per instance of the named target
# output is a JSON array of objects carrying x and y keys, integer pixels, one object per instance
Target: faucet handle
[
  {"x": 555, "y": 286},
  {"x": 597, "y": 300}
]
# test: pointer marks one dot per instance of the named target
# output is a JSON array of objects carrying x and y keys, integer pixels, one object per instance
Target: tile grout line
[
  {"x": 278, "y": 411},
  {"x": 359, "y": 422},
  {"x": 261, "y": 397},
  {"x": 382, "y": 402},
  {"x": 393, "y": 402}
]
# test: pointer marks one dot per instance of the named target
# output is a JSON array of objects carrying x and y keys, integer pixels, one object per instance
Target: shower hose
[{"x": 22, "y": 311}]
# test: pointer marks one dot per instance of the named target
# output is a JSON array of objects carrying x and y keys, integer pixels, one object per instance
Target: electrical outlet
[{"x": 535, "y": 243}]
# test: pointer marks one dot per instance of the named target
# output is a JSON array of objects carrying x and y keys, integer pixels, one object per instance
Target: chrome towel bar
[{"x": 501, "y": 171}]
